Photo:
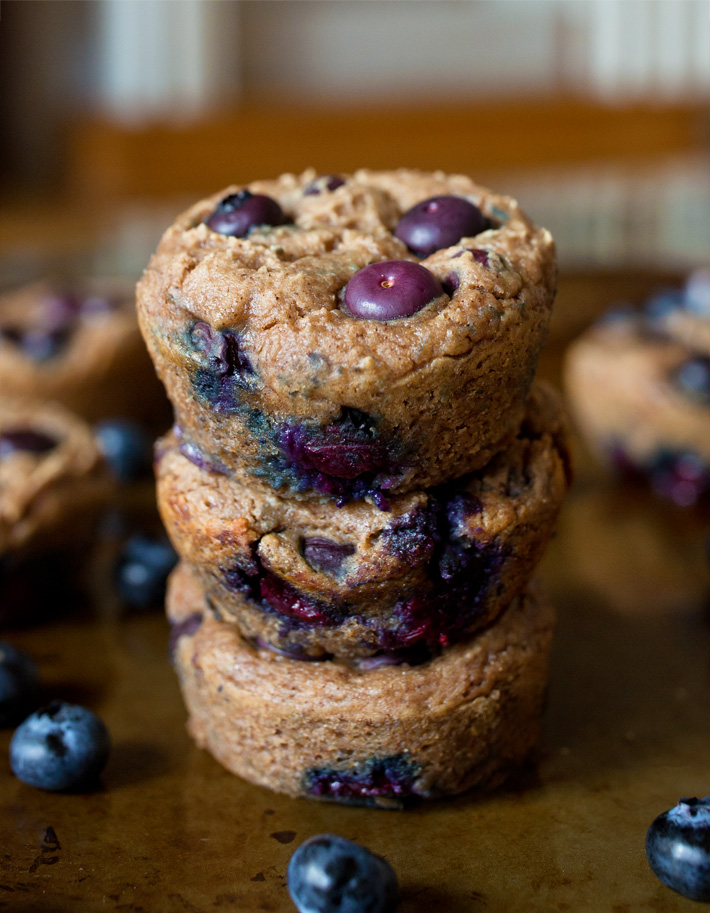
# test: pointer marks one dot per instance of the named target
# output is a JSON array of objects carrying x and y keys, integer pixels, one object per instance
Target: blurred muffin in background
[
  {"x": 638, "y": 385},
  {"x": 54, "y": 485},
  {"x": 78, "y": 344}
]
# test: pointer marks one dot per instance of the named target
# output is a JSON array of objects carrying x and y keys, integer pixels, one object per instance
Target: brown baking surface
[{"x": 626, "y": 735}]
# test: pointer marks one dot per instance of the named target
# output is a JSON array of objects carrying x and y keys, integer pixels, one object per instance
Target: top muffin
[{"x": 351, "y": 335}]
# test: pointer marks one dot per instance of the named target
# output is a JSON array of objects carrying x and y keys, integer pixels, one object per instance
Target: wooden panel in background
[{"x": 105, "y": 159}]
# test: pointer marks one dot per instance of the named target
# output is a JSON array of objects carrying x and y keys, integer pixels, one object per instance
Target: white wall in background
[
  {"x": 165, "y": 59},
  {"x": 410, "y": 49},
  {"x": 178, "y": 58},
  {"x": 376, "y": 49}
]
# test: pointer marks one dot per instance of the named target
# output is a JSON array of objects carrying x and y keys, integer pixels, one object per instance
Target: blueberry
[
  {"x": 143, "y": 568},
  {"x": 126, "y": 447},
  {"x": 678, "y": 848},
  {"x": 663, "y": 302},
  {"x": 286, "y": 600},
  {"x": 326, "y": 555},
  {"x": 25, "y": 440},
  {"x": 693, "y": 378},
  {"x": 697, "y": 292},
  {"x": 389, "y": 290},
  {"x": 18, "y": 684},
  {"x": 38, "y": 344},
  {"x": 184, "y": 628},
  {"x": 329, "y": 874},
  {"x": 439, "y": 222},
  {"x": 376, "y": 782},
  {"x": 325, "y": 182},
  {"x": 239, "y": 212},
  {"x": 60, "y": 747}
]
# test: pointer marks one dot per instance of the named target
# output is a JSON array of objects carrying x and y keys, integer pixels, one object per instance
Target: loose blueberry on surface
[
  {"x": 329, "y": 182},
  {"x": 60, "y": 747},
  {"x": 239, "y": 212},
  {"x": 329, "y": 874},
  {"x": 439, "y": 222},
  {"x": 25, "y": 440},
  {"x": 678, "y": 848},
  {"x": 126, "y": 446},
  {"x": 693, "y": 378},
  {"x": 390, "y": 290},
  {"x": 143, "y": 568},
  {"x": 18, "y": 684}
]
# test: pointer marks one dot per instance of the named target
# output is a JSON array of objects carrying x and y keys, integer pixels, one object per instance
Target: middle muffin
[{"x": 359, "y": 584}]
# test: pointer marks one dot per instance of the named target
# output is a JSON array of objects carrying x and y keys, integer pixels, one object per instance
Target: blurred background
[{"x": 117, "y": 113}]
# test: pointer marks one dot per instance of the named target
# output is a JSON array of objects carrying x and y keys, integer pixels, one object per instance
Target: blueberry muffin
[
  {"x": 684, "y": 314},
  {"x": 641, "y": 398},
  {"x": 379, "y": 737},
  {"x": 53, "y": 485},
  {"x": 357, "y": 336},
  {"x": 80, "y": 347},
  {"x": 312, "y": 580}
]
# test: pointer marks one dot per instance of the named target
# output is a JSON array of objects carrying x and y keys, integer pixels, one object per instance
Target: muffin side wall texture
[
  {"x": 270, "y": 374},
  {"x": 314, "y": 580},
  {"x": 382, "y": 737}
]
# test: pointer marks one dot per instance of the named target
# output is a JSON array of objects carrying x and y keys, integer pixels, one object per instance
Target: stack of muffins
[{"x": 361, "y": 479}]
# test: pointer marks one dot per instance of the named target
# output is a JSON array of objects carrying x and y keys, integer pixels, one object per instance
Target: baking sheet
[{"x": 626, "y": 735}]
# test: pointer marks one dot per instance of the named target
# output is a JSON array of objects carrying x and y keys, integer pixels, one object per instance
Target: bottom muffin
[{"x": 378, "y": 736}]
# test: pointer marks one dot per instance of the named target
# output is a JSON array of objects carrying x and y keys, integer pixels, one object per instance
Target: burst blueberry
[
  {"x": 678, "y": 848},
  {"x": 326, "y": 555},
  {"x": 329, "y": 874},
  {"x": 18, "y": 684},
  {"x": 126, "y": 447},
  {"x": 143, "y": 568},
  {"x": 390, "y": 290},
  {"x": 239, "y": 212},
  {"x": 60, "y": 747},
  {"x": 439, "y": 222}
]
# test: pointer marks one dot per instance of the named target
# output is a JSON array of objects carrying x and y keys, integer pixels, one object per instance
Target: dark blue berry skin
[
  {"x": 238, "y": 213},
  {"x": 329, "y": 874},
  {"x": 390, "y": 290},
  {"x": 439, "y": 222},
  {"x": 127, "y": 447},
  {"x": 678, "y": 848},
  {"x": 60, "y": 747},
  {"x": 18, "y": 684},
  {"x": 143, "y": 569},
  {"x": 693, "y": 379}
]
